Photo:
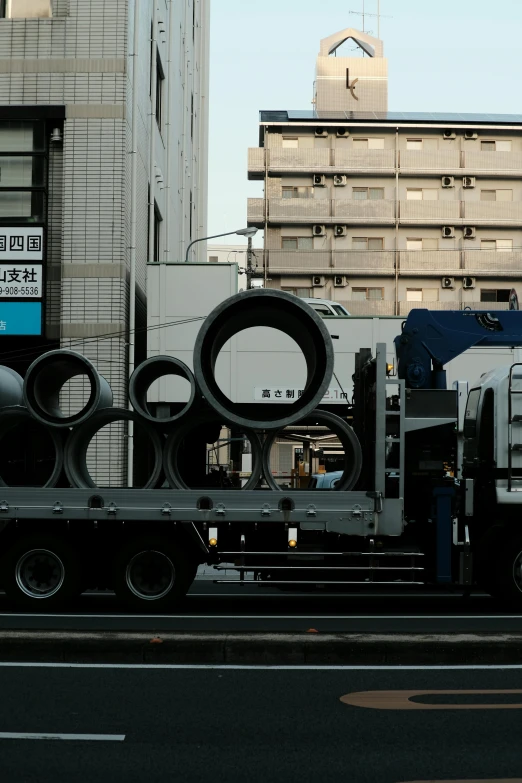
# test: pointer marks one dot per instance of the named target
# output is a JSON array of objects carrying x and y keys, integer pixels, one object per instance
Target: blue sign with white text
[{"x": 18, "y": 318}]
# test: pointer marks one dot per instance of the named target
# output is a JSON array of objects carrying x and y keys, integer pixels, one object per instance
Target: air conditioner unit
[
  {"x": 318, "y": 281},
  {"x": 340, "y": 231},
  {"x": 469, "y": 232},
  {"x": 339, "y": 180},
  {"x": 468, "y": 282},
  {"x": 342, "y": 133},
  {"x": 319, "y": 231},
  {"x": 321, "y": 133},
  {"x": 448, "y": 232},
  {"x": 468, "y": 182},
  {"x": 470, "y": 135},
  {"x": 340, "y": 281},
  {"x": 320, "y": 180},
  {"x": 448, "y": 282},
  {"x": 448, "y": 182},
  {"x": 449, "y": 135}
]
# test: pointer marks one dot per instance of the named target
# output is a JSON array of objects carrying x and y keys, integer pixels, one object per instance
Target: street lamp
[{"x": 244, "y": 232}]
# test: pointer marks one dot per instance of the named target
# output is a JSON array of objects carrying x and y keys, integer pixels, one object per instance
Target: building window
[
  {"x": 157, "y": 234},
  {"x": 297, "y": 243},
  {"x": 368, "y": 144},
  {"x": 422, "y": 244},
  {"x": 160, "y": 78},
  {"x": 298, "y": 192},
  {"x": 496, "y": 195},
  {"x": 290, "y": 143},
  {"x": 495, "y": 294},
  {"x": 422, "y": 294},
  {"x": 363, "y": 294},
  {"x": 422, "y": 194},
  {"x": 504, "y": 145},
  {"x": 371, "y": 194},
  {"x": 498, "y": 245},
  {"x": 303, "y": 292},
  {"x": 414, "y": 144},
  {"x": 25, "y": 9},
  {"x": 367, "y": 243}
]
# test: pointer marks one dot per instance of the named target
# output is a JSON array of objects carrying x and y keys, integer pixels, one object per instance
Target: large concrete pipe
[
  {"x": 277, "y": 310},
  {"x": 198, "y": 431},
  {"x": 76, "y": 467},
  {"x": 47, "y": 376},
  {"x": 11, "y": 387},
  {"x": 31, "y": 453},
  {"x": 150, "y": 371},
  {"x": 349, "y": 442}
]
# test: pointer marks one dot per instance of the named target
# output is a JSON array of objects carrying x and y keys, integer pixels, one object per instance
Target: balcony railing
[
  {"x": 445, "y": 161},
  {"x": 406, "y": 307},
  {"x": 493, "y": 263},
  {"x": 364, "y": 160},
  {"x": 438, "y": 212},
  {"x": 426, "y": 262},
  {"x": 353, "y": 262},
  {"x": 493, "y": 212},
  {"x": 373, "y": 161}
]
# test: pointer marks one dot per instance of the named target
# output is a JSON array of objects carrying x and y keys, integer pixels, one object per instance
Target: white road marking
[
  {"x": 273, "y": 617},
  {"x": 78, "y": 737},
  {"x": 264, "y": 667}
]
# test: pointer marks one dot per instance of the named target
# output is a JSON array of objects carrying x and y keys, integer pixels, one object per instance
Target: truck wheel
[
  {"x": 507, "y": 582},
  {"x": 41, "y": 573},
  {"x": 151, "y": 573}
]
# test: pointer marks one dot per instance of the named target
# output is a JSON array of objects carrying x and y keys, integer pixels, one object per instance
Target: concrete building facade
[
  {"x": 387, "y": 211},
  {"x": 103, "y": 148}
]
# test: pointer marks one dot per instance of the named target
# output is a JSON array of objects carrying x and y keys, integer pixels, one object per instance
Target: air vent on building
[
  {"x": 468, "y": 182},
  {"x": 448, "y": 182},
  {"x": 449, "y": 135},
  {"x": 320, "y": 180},
  {"x": 470, "y": 135},
  {"x": 339, "y": 180},
  {"x": 342, "y": 133},
  {"x": 340, "y": 231},
  {"x": 321, "y": 133},
  {"x": 469, "y": 232},
  {"x": 319, "y": 231},
  {"x": 448, "y": 232},
  {"x": 448, "y": 282},
  {"x": 468, "y": 282},
  {"x": 318, "y": 281},
  {"x": 340, "y": 281}
]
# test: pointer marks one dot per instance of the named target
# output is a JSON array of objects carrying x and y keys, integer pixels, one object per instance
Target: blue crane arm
[{"x": 430, "y": 339}]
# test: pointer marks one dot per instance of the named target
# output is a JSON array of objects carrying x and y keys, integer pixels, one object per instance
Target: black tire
[
  {"x": 41, "y": 573},
  {"x": 151, "y": 573}
]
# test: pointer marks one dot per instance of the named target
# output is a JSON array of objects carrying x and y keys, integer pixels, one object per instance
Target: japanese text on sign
[
  {"x": 286, "y": 394},
  {"x": 20, "y": 281},
  {"x": 20, "y": 243}
]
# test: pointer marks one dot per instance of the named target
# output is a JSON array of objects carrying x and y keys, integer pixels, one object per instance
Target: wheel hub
[
  {"x": 39, "y": 573},
  {"x": 150, "y": 575}
]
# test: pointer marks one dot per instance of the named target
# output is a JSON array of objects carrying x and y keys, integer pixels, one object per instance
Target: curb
[{"x": 260, "y": 648}]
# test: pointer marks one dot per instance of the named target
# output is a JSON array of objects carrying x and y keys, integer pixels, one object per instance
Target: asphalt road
[
  {"x": 224, "y": 725},
  {"x": 228, "y": 608}
]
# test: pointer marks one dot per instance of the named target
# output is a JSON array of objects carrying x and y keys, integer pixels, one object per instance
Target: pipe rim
[
  {"x": 176, "y": 438},
  {"x": 75, "y": 461},
  {"x": 298, "y": 315},
  {"x": 138, "y": 386},
  {"x": 349, "y": 441},
  {"x": 15, "y": 415}
]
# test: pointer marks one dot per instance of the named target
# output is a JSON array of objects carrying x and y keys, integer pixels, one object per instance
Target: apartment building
[
  {"x": 103, "y": 170},
  {"x": 387, "y": 211}
]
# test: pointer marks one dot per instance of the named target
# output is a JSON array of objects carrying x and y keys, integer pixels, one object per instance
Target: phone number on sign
[{"x": 23, "y": 290}]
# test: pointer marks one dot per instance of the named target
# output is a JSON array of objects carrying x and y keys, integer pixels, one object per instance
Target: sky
[{"x": 443, "y": 55}]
